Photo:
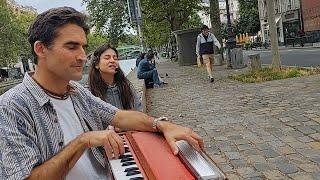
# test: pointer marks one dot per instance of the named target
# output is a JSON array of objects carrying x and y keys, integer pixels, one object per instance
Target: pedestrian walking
[{"x": 206, "y": 42}]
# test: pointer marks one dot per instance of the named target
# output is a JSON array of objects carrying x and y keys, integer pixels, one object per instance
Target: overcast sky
[{"x": 43, "y": 5}]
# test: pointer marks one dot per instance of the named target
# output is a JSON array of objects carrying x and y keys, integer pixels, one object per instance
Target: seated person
[
  {"x": 147, "y": 70},
  {"x": 141, "y": 56}
]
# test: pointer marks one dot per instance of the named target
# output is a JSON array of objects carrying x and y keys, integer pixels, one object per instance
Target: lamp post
[{"x": 231, "y": 41}]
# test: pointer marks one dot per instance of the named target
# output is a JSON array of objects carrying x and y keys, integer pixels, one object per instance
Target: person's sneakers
[{"x": 212, "y": 80}]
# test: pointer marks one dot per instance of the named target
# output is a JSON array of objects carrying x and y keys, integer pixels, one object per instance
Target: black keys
[
  {"x": 126, "y": 159},
  {"x": 131, "y": 173},
  {"x": 125, "y": 156},
  {"x": 131, "y": 169},
  {"x": 128, "y": 163},
  {"x": 136, "y": 178}
]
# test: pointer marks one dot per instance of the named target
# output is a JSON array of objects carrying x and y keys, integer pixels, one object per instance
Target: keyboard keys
[
  {"x": 136, "y": 178},
  {"x": 131, "y": 169},
  {"x": 131, "y": 173}
]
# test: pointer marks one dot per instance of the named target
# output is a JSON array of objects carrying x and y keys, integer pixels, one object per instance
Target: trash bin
[{"x": 186, "y": 44}]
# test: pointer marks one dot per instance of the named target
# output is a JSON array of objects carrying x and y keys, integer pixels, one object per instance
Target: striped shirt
[{"x": 30, "y": 133}]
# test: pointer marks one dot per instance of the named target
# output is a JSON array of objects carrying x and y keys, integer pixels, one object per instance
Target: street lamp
[{"x": 231, "y": 41}]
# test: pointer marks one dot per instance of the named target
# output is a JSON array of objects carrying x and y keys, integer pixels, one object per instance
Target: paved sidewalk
[{"x": 269, "y": 130}]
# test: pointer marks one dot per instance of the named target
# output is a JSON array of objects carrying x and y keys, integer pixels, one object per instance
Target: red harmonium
[{"x": 149, "y": 157}]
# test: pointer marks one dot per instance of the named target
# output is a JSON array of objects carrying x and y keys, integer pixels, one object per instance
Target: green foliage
[
  {"x": 267, "y": 74},
  {"x": 13, "y": 34},
  {"x": 129, "y": 39},
  {"x": 249, "y": 17},
  {"x": 94, "y": 41},
  {"x": 109, "y": 17},
  {"x": 162, "y": 17}
]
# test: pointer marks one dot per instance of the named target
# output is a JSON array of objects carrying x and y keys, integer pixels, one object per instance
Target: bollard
[
  {"x": 255, "y": 62},
  {"x": 217, "y": 59}
]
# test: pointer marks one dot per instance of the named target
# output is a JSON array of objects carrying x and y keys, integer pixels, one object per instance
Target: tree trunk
[
  {"x": 276, "y": 62},
  {"x": 215, "y": 21}
]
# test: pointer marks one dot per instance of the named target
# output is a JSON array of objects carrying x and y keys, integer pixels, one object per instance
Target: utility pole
[
  {"x": 276, "y": 62},
  {"x": 135, "y": 14},
  {"x": 139, "y": 25}
]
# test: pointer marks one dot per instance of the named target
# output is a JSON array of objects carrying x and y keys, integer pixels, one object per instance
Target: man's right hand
[{"x": 111, "y": 141}]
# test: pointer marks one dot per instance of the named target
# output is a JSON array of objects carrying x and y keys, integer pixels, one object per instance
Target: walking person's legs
[{"x": 207, "y": 61}]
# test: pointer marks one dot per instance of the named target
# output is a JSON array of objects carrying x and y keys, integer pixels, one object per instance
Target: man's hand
[
  {"x": 111, "y": 141},
  {"x": 173, "y": 133}
]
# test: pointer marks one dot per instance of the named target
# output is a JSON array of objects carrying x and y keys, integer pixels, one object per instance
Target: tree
[
  {"x": 249, "y": 17},
  {"x": 276, "y": 62},
  {"x": 215, "y": 19},
  {"x": 13, "y": 34},
  {"x": 95, "y": 40},
  {"x": 176, "y": 13},
  {"x": 162, "y": 17},
  {"x": 109, "y": 18}
]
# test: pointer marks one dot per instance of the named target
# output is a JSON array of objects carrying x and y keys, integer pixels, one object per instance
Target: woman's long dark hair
[{"x": 99, "y": 88}]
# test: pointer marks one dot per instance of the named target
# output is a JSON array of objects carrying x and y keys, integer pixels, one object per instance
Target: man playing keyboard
[{"x": 53, "y": 128}]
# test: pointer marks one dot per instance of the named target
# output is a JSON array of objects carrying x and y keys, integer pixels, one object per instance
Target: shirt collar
[{"x": 36, "y": 91}]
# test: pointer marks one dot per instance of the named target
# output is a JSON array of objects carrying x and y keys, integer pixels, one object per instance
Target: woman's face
[{"x": 108, "y": 62}]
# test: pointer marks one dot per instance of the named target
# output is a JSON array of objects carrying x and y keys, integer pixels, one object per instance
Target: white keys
[{"x": 119, "y": 170}]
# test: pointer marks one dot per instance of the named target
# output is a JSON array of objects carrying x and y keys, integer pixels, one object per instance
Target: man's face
[
  {"x": 205, "y": 32},
  {"x": 65, "y": 58}
]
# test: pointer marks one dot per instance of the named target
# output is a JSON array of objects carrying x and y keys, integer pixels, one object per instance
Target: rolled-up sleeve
[{"x": 19, "y": 153}]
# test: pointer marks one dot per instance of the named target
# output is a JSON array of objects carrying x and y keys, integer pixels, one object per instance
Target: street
[{"x": 292, "y": 57}]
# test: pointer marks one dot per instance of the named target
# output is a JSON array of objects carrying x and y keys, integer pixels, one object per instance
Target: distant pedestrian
[
  {"x": 205, "y": 49},
  {"x": 141, "y": 56}
]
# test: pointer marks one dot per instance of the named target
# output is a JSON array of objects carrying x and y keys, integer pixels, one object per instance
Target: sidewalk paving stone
[{"x": 267, "y": 130}]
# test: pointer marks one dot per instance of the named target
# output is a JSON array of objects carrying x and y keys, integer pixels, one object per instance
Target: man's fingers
[
  {"x": 193, "y": 142},
  {"x": 198, "y": 138},
  {"x": 115, "y": 147},
  {"x": 119, "y": 141},
  {"x": 108, "y": 149},
  {"x": 173, "y": 146}
]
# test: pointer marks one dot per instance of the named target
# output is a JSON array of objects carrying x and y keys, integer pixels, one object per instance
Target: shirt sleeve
[
  {"x": 215, "y": 41},
  {"x": 19, "y": 153},
  {"x": 198, "y": 45}
]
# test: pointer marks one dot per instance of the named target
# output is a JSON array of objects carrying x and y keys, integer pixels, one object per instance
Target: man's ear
[{"x": 39, "y": 49}]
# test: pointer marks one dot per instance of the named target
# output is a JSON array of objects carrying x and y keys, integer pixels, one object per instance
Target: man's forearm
[
  {"x": 59, "y": 165},
  {"x": 133, "y": 120}
]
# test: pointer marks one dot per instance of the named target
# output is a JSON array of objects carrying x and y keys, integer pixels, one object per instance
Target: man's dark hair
[
  {"x": 204, "y": 27},
  {"x": 45, "y": 26},
  {"x": 150, "y": 55}
]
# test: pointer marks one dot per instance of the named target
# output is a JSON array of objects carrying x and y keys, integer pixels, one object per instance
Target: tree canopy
[
  {"x": 13, "y": 34},
  {"x": 160, "y": 18},
  {"x": 249, "y": 17},
  {"x": 109, "y": 17}
]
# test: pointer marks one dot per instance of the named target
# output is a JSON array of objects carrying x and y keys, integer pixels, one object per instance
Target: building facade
[
  {"x": 233, "y": 8},
  {"x": 311, "y": 19},
  {"x": 287, "y": 16}
]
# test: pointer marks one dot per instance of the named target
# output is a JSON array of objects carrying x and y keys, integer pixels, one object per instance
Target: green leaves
[
  {"x": 249, "y": 17},
  {"x": 13, "y": 34},
  {"x": 109, "y": 17}
]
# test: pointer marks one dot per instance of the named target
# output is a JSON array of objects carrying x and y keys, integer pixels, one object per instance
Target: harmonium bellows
[{"x": 149, "y": 157}]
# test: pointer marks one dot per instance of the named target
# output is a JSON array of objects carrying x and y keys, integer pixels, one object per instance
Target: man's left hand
[{"x": 173, "y": 133}]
